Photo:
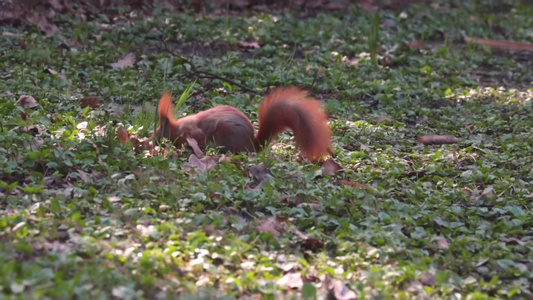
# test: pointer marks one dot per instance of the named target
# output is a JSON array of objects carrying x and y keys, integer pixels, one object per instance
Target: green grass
[{"x": 84, "y": 216}]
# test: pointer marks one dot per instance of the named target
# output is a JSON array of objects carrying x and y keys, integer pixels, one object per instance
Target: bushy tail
[
  {"x": 285, "y": 108},
  {"x": 166, "y": 118},
  {"x": 165, "y": 109}
]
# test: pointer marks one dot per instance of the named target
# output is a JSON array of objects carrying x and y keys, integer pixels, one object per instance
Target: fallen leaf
[
  {"x": 22, "y": 44},
  {"x": 43, "y": 23},
  {"x": 201, "y": 165},
  {"x": 501, "y": 44},
  {"x": 312, "y": 278},
  {"x": 31, "y": 129},
  {"x": 382, "y": 119},
  {"x": 470, "y": 128},
  {"x": 330, "y": 167},
  {"x": 513, "y": 240},
  {"x": 195, "y": 148},
  {"x": 368, "y": 5},
  {"x": 437, "y": 139},
  {"x": 92, "y": 102},
  {"x": 338, "y": 290},
  {"x": 38, "y": 142},
  {"x": 26, "y": 101},
  {"x": 140, "y": 145},
  {"x": 355, "y": 184},
  {"x": 56, "y": 5},
  {"x": 50, "y": 71},
  {"x": 249, "y": 46},
  {"x": 24, "y": 117},
  {"x": 466, "y": 191},
  {"x": 312, "y": 244},
  {"x": 260, "y": 172},
  {"x": 487, "y": 192},
  {"x": 313, "y": 4},
  {"x": 482, "y": 262},
  {"x": 427, "y": 279},
  {"x": 291, "y": 281},
  {"x": 124, "y": 62},
  {"x": 415, "y": 44},
  {"x": 336, "y": 5},
  {"x": 84, "y": 176},
  {"x": 271, "y": 225},
  {"x": 7, "y": 33},
  {"x": 442, "y": 243},
  {"x": 122, "y": 134},
  {"x": 240, "y": 3},
  {"x": 226, "y": 159}
]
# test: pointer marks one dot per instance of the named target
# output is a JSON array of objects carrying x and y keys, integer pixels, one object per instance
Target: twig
[{"x": 203, "y": 74}]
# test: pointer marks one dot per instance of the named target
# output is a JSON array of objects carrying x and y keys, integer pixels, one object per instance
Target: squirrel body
[{"x": 230, "y": 129}]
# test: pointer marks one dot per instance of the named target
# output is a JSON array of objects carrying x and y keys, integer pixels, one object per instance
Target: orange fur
[
  {"x": 226, "y": 126},
  {"x": 292, "y": 108}
]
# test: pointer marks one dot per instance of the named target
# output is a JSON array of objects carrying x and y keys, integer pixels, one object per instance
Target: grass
[{"x": 84, "y": 216}]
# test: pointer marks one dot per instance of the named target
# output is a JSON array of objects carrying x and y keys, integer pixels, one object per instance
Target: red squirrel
[{"x": 231, "y": 130}]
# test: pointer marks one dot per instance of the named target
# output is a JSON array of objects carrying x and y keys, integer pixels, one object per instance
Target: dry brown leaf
[
  {"x": 240, "y": 3},
  {"x": 22, "y": 44},
  {"x": 513, "y": 240},
  {"x": 195, "y": 148},
  {"x": 354, "y": 184},
  {"x": 466, "y": 191},
  {"x": 84, "y": 176},
  {"x": 368, "y": 5},
  {"x": 437, "y": 139},
  {"x": 442, "y": 243},
  {"x": 122, "y": 134},
  {"x": 415, "y": 44},
  {"x": 140, "y": 145},
  {"x": 43, "y": 23},
  {"x": 336, "y": 5},
  {"x": 31, "y": 129},
  {"x": 487, "y": 192},
  {"x": 92, "y": 102},
  {"x": 427, "y": 279},
  {"x": 271, "y": 225},
  {"x": 501, "y": 44},
  {"x": 26, "y": 101},
  {"x": 201, "y": 165},
  {"x": 260, "y": 172},
  {"x": 312, "y": 244},
  {"x": 249, "y": 46},
  {"x": 51, "y": 71},
  {"x": 124, "y": 62},
  {"x": 8, "y": 33},
  {"x": 56, "y": 5},
  {"x": 55, "y": 73},
  {"x": 338, "y": 290},
  {"x": 330, "y": 167},
  {"x": 382, "y": 119},
  {"x": 291, "y": 281}
]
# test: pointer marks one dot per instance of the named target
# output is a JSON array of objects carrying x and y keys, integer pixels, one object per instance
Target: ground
[{"x": 88, "y": 211}]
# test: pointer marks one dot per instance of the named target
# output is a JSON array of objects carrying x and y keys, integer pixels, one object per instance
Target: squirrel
[{"x": 230, "y": 129}]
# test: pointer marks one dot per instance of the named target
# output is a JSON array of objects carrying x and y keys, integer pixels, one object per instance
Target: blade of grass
[{"x": 373, "y": 39}]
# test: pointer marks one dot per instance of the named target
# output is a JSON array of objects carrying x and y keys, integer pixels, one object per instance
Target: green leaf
[
  {"x": 308, "y": 291},
  {"x": 54, "y": 205}
]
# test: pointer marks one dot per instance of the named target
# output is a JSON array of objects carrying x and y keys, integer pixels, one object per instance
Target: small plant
[{"x": 373, "y": 38}]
